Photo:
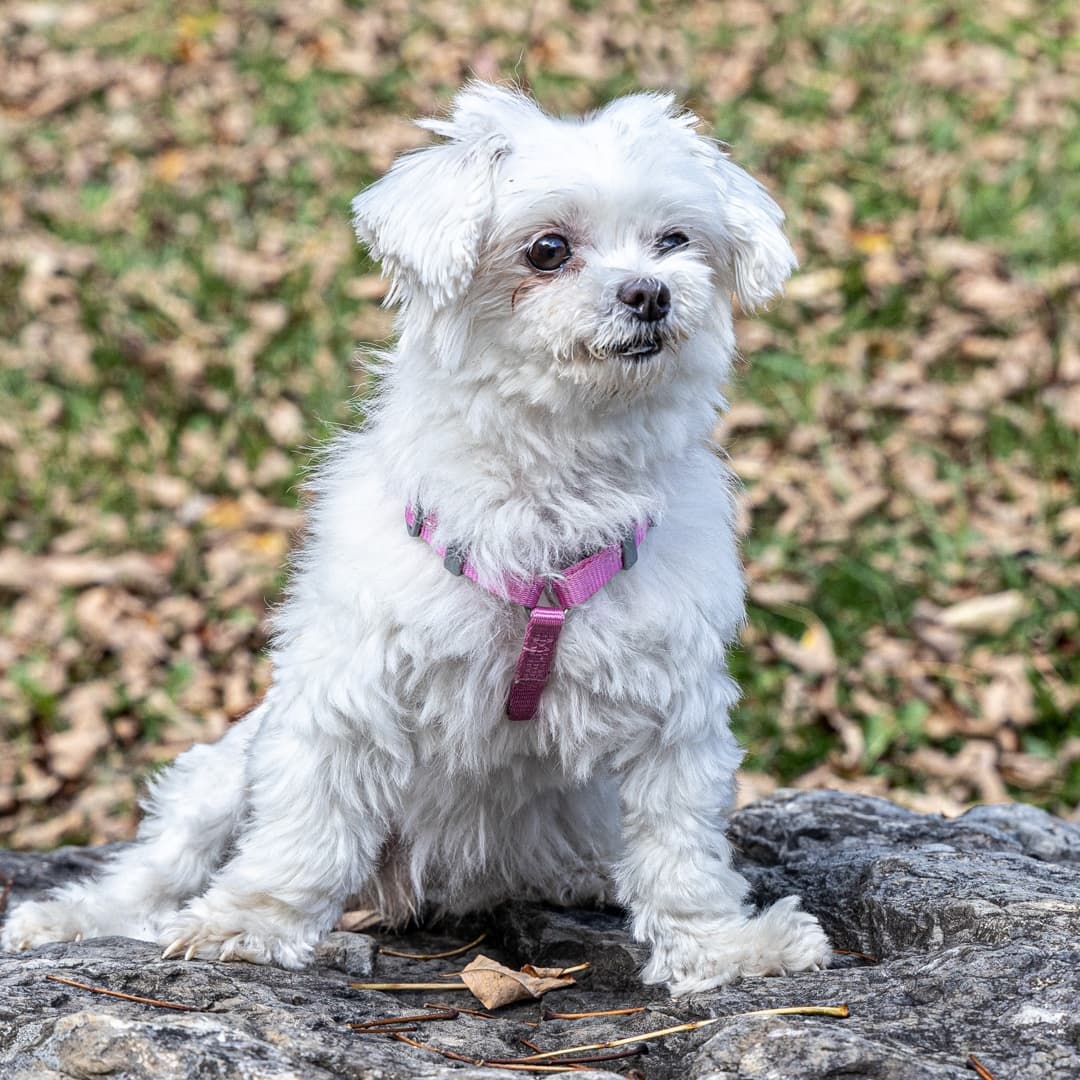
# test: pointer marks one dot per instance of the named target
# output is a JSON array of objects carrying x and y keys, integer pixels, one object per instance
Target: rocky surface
[{"x": 974, "y": 925}]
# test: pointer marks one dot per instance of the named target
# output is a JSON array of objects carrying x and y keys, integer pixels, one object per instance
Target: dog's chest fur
[{"x": 436, "y": 653}]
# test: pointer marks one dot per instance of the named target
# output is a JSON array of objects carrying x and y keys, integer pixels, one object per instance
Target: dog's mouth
[{"x": 637, "y": 351}]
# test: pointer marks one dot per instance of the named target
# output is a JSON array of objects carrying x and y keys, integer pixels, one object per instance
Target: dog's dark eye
[
  {"x": 672, "y": 240},
  {"x": 549, "y": 252}
]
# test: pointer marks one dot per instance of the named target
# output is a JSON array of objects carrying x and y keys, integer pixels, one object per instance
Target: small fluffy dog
[{"x": 500, "y": 670}]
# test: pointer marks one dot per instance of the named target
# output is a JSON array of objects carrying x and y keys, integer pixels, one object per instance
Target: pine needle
[
  {"x": 854, "y": 952},
  {"x": 457, "y": 1008},
  {"x": 840, "y": 1011},
  {"x": 124, "y": 997},
  {"x": 576, "y": 967},
  {"x": 416, "y": 1018},
  {"x": 980, "y": 1068},
  {"x": 408, "y": 986},
  {"x": 515, "y": 1067},
  {"x": 548, "y": 1015},
  {"x": 435, "y": 955},
  {"x": 474, "y": 1012}
]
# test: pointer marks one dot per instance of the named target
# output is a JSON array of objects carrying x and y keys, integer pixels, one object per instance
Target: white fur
[{"x": 381, "y": 763}]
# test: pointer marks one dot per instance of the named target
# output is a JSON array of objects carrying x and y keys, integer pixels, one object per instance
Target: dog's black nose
[{"x": 647, "y": 298}]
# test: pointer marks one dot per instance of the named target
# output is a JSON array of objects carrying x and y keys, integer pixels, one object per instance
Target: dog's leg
[
  {"x": 676, "y": 877},
  {"x": 320, "y": 803},
  {"x": 191, "y": 814}
]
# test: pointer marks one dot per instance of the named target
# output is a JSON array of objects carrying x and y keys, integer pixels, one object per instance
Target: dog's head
[{"x": 591, "y": 249}]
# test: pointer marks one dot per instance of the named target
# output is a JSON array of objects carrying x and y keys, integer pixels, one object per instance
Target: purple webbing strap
[
  {"x": 534, "y": 661},
  {"x": 526, "y": 593},
  {"x": 588, "y": 577},
  {"x": 572, "y": 587}
]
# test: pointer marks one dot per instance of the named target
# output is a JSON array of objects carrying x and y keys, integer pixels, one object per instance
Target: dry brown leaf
[
  {"x": 495, "y": 985},
  {"x": 371, "y": 287},
  {"x": 813, "y": 653},
  {"x": 975, "y": 767},
  {"x": 361, "y": 919},
  {"x": 779, "y": 593},
  {"x": 994, "y": 614},
  {"x": 71, "y": 751},
  {"x": 1008, "y": 697},
  {"x": 21, "y": 572},
  {"x": 816, "y": 284}
]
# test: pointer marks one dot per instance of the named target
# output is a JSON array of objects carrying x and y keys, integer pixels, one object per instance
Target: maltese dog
[{"x": 500, "y": 668}]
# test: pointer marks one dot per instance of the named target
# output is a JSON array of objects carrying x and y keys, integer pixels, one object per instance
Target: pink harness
[{"x": 573, "y": 586}]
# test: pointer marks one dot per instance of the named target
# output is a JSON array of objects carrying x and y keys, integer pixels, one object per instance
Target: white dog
[{"x": 566, "y": 324}]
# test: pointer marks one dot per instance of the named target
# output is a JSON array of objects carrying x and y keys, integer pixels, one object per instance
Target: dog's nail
[
  {"x": 191, "y": 950},
  {"x": 173, "y": 949},
  {"x": 77, "y": 937}
]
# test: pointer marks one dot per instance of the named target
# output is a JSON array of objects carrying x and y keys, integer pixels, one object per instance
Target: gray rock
[
  {"x": 352, "y": 953},
  {"x": 974, "y": 925}
]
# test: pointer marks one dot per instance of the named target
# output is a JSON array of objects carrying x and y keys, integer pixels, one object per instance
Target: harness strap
[
  {"x": 534, "y": 661},
  {"x": 573, "y": 586}
]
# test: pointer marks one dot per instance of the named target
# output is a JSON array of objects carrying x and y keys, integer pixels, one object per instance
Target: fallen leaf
[
  {"x": 21, "y": 572},
  {"x": 354, "y": 922},
  {"x": 813, "y": 653},
  {"x": 993, "y": 614},
  {"x": 1009, "y": 696},
  {"x": 71, "y": 751},
  {"x": 495, "y": 985}
]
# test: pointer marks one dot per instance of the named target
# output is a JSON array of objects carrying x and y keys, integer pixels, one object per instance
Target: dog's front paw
[
  {"x": 213, "y": 928},
  {"x": 36, "y": 922},
  {"x": 780, "y": 941}
]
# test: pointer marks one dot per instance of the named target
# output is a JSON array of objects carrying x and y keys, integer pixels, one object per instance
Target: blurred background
[{"x": 181, "y": 300}]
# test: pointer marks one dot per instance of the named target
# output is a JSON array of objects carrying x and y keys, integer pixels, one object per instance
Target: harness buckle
[
  {"x": 414, "y": 527},
  {"x": 629, "y": 551},
  {"x": 454, "y": 561}
]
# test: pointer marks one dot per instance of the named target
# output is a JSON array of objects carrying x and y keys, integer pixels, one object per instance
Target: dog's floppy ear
[
  {"x": 760, "y": 257},
  {"x": 425, "y": 219}
]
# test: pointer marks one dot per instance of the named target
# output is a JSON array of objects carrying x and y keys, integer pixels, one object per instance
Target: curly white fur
[{"x": 381, "y": 763}]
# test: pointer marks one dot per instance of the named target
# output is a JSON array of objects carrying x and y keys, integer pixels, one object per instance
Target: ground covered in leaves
[{"x": 181, "y": 298}]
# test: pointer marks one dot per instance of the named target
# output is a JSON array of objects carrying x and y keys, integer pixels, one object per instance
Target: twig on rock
[
  {"x": 435, "y": 955},
  {"x": 475, "y": 1012},
  {"x": 455, "y": 1008},
  {"x": 633, "y": 1050},
  {"x": 416, "y": 1018},
  {"x": 547, "y": 1014},
  {"x": 840, "y": 1011},
  {"x": 408, "y": 986},
  {"x": 576, "y": 967},
  {"x": 483, "y": 1063},
  {"x": 854, "y": 952},
  {"x": 980, "y": 1068},
  {"x": 125, "y": 997},
  {"x": 583, "y": 1059}
]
